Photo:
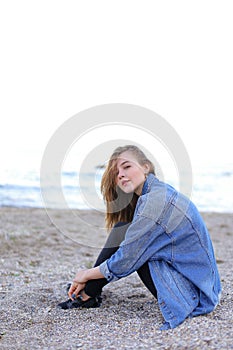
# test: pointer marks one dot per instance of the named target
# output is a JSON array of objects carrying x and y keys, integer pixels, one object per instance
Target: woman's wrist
[
  {"x": 85, "y": 275},
  {"x": 94, "y": 273}
]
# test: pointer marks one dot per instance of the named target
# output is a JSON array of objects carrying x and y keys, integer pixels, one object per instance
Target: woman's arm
[
  {"x": 137, "y": 248},
  {"x": 81, "y": 279}
]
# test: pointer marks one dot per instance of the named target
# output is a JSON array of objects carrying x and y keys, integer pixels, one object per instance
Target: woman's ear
[{"x": 146, "y": 168}]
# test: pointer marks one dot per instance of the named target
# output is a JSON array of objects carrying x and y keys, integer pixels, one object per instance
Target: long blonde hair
[{"x": 120, "y": 206}]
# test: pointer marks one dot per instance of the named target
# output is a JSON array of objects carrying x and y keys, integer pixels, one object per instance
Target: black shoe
[{"x": 78, "y": 303}]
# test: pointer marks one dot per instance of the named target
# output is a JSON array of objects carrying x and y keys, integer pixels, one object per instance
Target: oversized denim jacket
[{"x": 168, "y": 232}]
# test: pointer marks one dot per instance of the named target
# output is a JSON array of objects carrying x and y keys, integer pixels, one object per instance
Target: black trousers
[{"x": 94, "y": 288}]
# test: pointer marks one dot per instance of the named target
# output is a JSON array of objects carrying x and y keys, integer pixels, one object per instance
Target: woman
[{"x": 157, "y": 232}]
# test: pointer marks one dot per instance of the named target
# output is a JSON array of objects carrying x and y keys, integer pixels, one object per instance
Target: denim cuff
[{"x": 110, "y": 277}]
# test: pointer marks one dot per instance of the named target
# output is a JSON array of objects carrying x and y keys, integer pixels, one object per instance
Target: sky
[{"x": 59, "y": 58}]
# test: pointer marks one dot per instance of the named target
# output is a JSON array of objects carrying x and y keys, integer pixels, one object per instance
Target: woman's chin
[{"x": 127, "y": 190}]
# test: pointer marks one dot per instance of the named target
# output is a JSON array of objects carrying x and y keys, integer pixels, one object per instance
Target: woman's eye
[{"x": 127, "y": 166}]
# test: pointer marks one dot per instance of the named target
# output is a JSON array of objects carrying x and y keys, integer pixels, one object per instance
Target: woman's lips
[{"x": 124, "y": 182}]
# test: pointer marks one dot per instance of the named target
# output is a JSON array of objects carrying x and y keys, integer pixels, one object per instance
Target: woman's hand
[
  {"x": 75, "y": 289},
  {"x": 81, "y": 279},
  {"x": 78, "y": 284}
]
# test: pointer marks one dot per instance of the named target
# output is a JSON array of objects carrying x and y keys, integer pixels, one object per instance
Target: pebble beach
[{"x": 37, "y": 260}]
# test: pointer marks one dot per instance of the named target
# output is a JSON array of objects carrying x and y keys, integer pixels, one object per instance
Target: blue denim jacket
[{"x": 168, "y": 232}]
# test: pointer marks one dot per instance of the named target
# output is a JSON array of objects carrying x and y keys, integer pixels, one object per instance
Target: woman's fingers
[
  {"x": 79, "y": 289},
  {"x": 78, "y": 284},
  {"x": 72, "y": 289},
  {"x": 75, "y": 289}
]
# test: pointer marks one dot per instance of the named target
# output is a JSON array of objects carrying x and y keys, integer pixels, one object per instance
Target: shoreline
[
  {"x": 37, "y": 261},
  {"x": 91, "y": 209}
]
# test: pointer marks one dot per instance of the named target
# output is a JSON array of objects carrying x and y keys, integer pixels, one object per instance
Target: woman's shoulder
[
  {"x": 157, "y": 188},
  {"x": 155, "y": 197},
  {"x": 152, "y": 204}
]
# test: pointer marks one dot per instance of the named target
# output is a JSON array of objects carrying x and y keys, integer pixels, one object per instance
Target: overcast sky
[{"x": 61, "y": 57}]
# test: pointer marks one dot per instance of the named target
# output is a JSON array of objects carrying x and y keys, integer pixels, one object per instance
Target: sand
[{"x": 38, "y": 260}]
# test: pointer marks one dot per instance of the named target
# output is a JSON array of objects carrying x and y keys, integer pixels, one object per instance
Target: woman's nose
[{"x": 121, "y": 174}]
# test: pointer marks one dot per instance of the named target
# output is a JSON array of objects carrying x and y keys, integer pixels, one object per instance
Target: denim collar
[{"x": 147, "y": 184}]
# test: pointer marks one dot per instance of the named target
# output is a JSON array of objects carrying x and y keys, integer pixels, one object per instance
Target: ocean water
[{"x": 20, "y": 187}]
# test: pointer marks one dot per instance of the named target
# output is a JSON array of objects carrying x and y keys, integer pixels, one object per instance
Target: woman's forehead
[{"x": 126, "y": 157}]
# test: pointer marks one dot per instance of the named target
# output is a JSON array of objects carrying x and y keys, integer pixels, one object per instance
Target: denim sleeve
[{"x": 139, "y": 245}]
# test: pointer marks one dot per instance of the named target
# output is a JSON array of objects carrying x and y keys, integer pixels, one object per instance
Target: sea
[{"x": 20, "y": 186}]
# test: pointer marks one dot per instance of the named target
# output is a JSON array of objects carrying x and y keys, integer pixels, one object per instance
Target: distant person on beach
[{"x": 157, "y": 232}]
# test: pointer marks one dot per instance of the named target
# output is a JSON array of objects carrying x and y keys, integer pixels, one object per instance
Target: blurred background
[{"x": 59, "y": 58}]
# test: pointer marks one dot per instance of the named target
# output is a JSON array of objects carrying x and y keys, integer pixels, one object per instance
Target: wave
[{"x": 211, "y": 189}]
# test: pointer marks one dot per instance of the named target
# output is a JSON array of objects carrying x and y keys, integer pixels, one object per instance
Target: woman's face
[{"x": 130, "y": 174}]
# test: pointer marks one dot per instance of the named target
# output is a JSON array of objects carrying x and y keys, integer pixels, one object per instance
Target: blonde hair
[{"x": 120, "y": 206}]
